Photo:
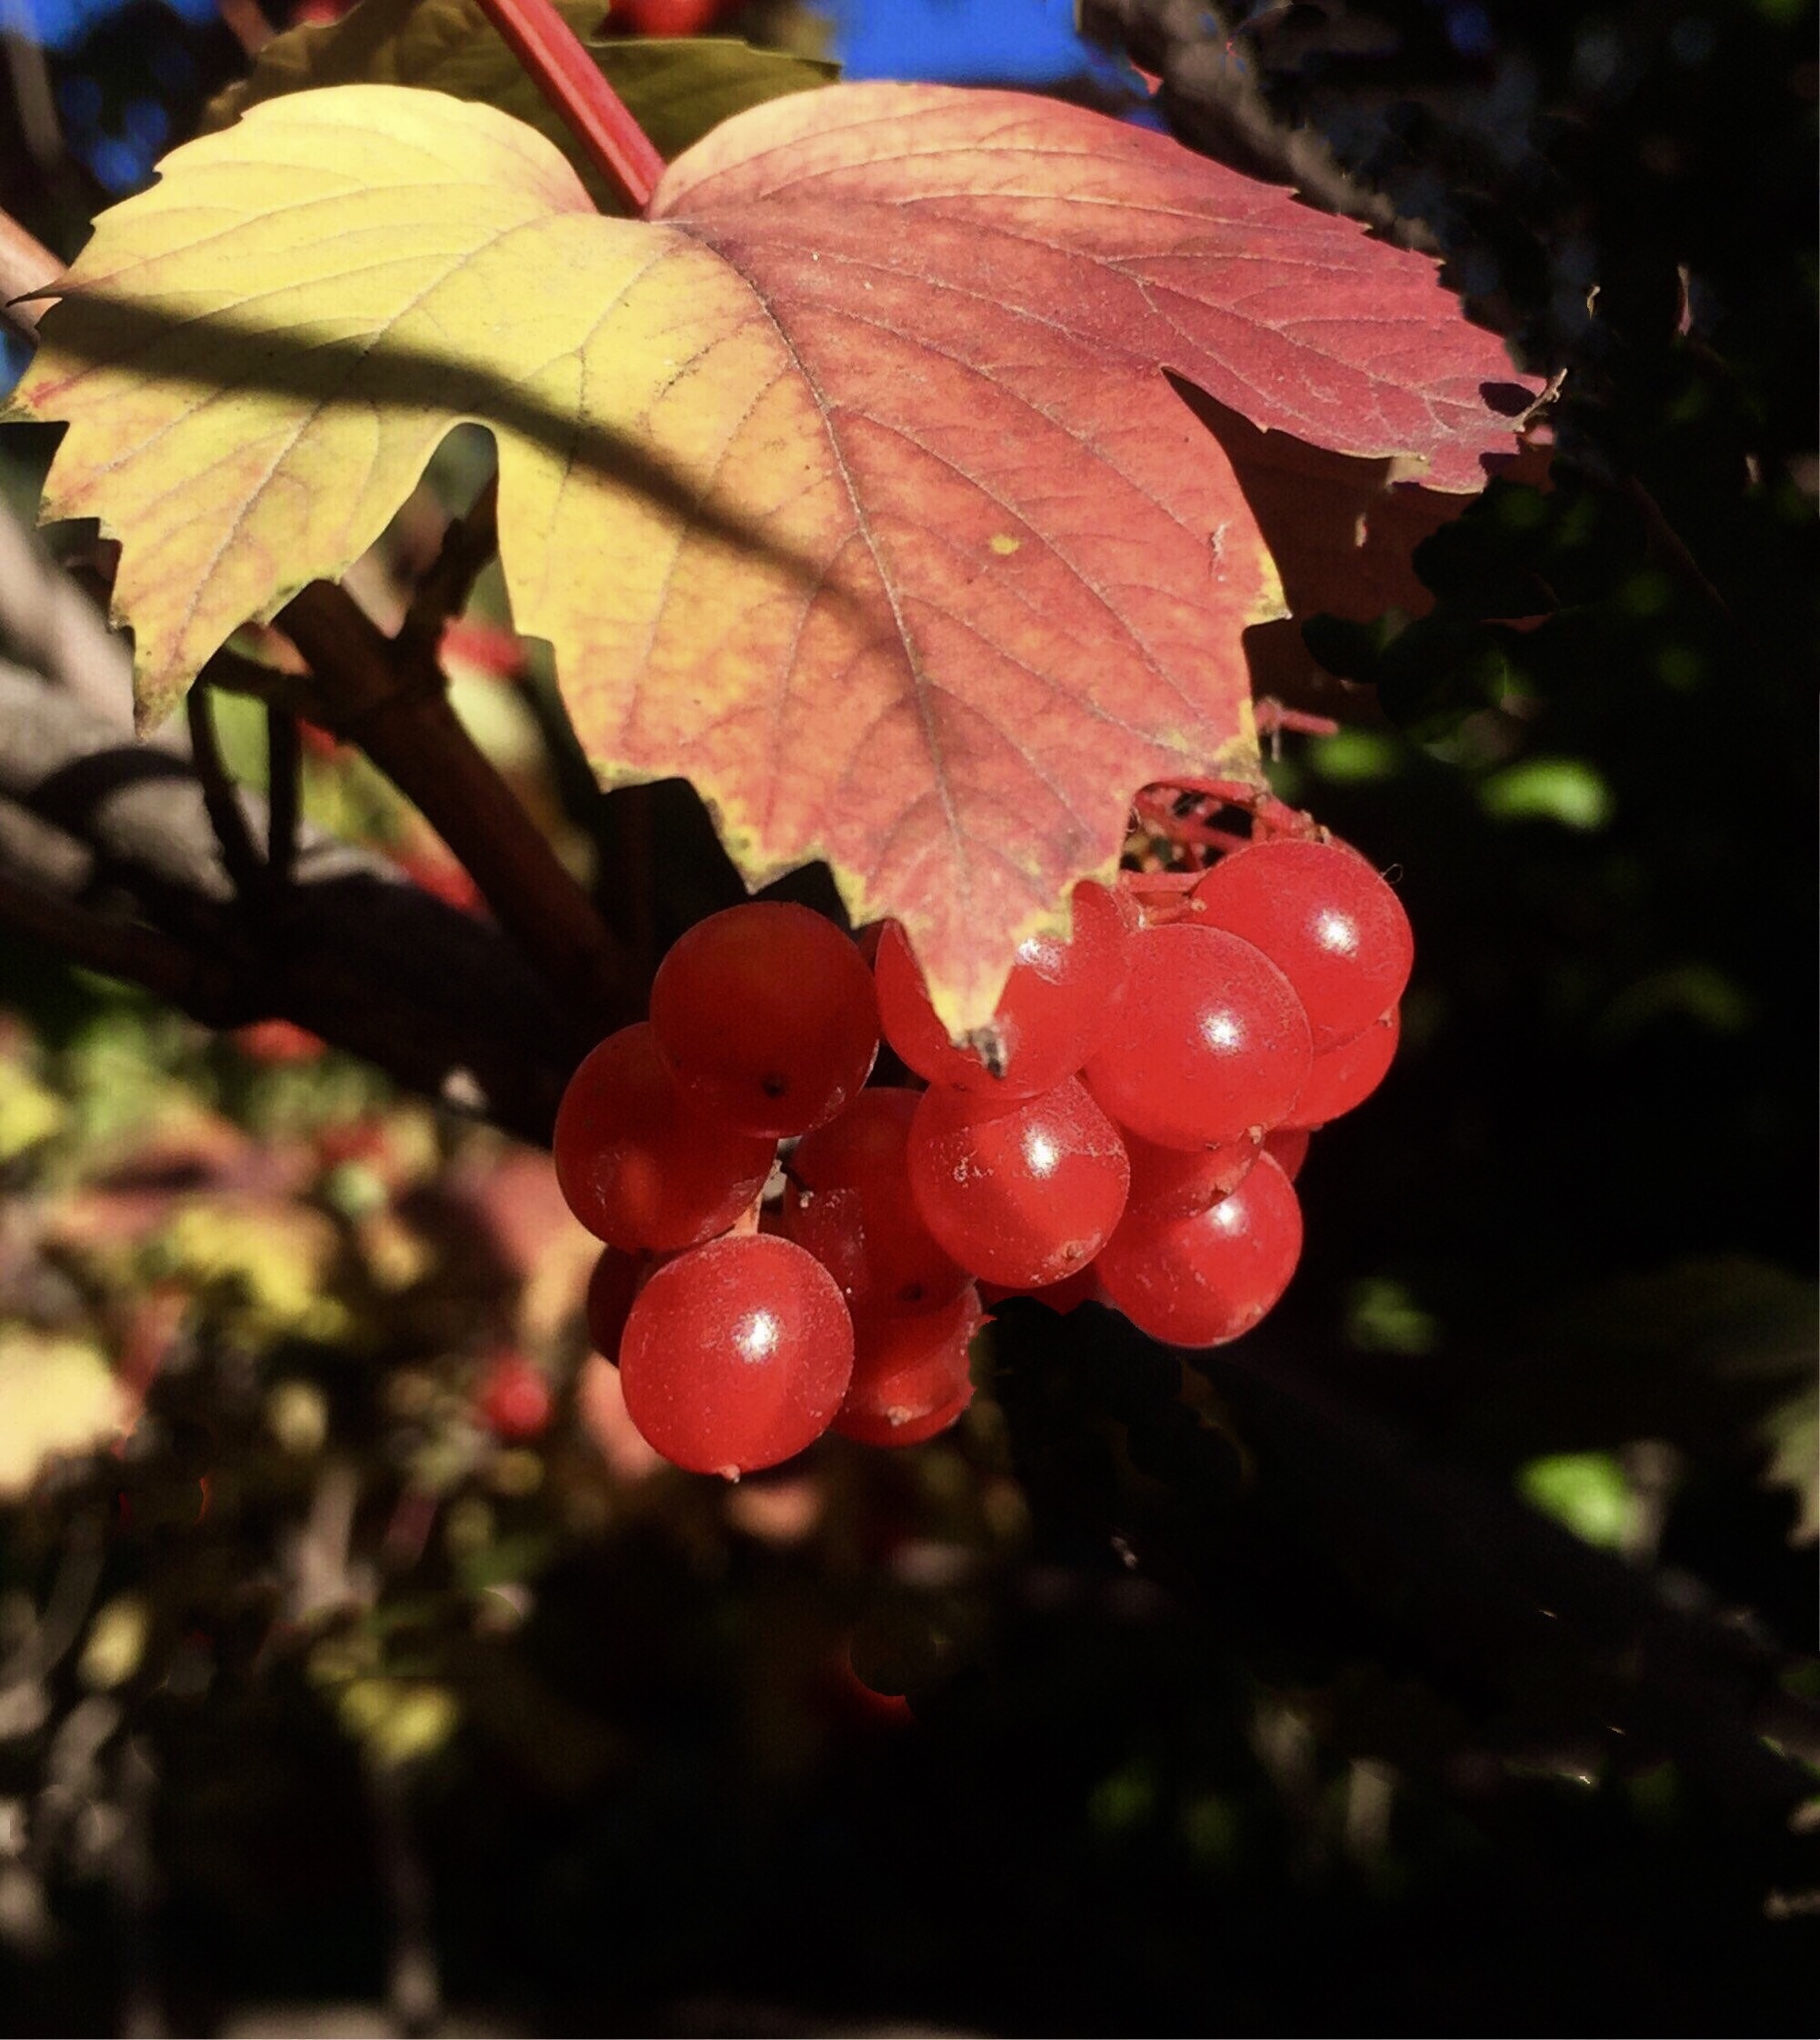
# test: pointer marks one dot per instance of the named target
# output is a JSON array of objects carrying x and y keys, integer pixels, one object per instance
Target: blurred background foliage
[{"x": 356, "y": 1658}]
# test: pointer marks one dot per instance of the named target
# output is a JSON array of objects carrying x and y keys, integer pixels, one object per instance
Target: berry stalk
[{"x": 571, "y": 81}]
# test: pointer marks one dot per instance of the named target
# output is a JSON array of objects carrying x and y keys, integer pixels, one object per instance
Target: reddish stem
[
  {"x": 1200, "y": 835},
  {"x": 1272, "y": 717},
  {"x": 1138, "y": 882},
  {"x": 1186, "y": 831},
  {"x": 1234, "y": 793},
  {"x": 1276, "y": 818},
  {"x": 1161, "y": 895},
  {"x": 1273, "y": 816},
  {"x": 562, "y": 71}
]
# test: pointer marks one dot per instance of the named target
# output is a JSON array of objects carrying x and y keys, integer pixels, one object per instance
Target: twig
[
  {"x": 47, "y": 624},
  {"x": 573, "y": 82},
  {"x": 442, "y": 1002},
  {"x": 1503, "y": 1593},
  {"x": 123, "y": 949},
  {"x": 469, "y": 543},
  {"x": 1672, "y": 548},
  {"x": 390, "y": 697},
  {"x": 34, "y": 97},
  {"x": 414, "y": 1994},
  {"x": 55, "y": 1632},
  {"x": 296, "y": 694},
  {"x": 321, "y": 1574},
  {"x": 131, "y": 1873},
  {"x": 1273, "y": 715},
  {"x": 1213, "y": 101}
]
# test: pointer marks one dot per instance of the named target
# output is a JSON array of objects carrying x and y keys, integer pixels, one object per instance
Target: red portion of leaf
[{"x": 1118, "y": 237}]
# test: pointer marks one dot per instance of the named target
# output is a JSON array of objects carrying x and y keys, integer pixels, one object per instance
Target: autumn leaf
[
  {"x": 849, "y": 485},
  {"x": 676, "y": 90}
]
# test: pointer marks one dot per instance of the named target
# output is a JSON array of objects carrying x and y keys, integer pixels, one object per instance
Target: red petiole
[{"x": 571, "y": 81}]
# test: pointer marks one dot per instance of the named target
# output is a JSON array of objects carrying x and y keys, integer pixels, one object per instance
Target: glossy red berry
[
  {"x": 764, "y": 1015},
  {"x": 1177, "y": 1182},
  {"x": 1023, "y": 1195},
  {"x": 1346, "y": 1077},
  {"x": 848, "y": 1200},
  {"x": 278, "y": 1041},
  {"x": 910, "y": 1374},
  {"x": 736, "y": 1355},
  {"x": 1288, "y": 1148},
  {"x": 1326, "y": 919},
  {"x": 610, "y": 1292},
  {"x": 1209, "y": 1043},
  {"x": 1206, "y": 1280},
  {"x": 1051, "y": 1015},
  {"x": 667, "y": 17},
  {"x": 639, "y": 1168},
  {"x": 1069, "y": 1294}
]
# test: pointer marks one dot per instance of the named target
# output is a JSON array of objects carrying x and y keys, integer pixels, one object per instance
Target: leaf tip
[{"x": 154, "y": 695}]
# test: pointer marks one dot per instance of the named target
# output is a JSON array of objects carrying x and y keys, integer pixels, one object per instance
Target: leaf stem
[
  {"x": 389, "y": 695},
  {"x": 123, "y": 949},
  {"x": 544, "y": 42}
]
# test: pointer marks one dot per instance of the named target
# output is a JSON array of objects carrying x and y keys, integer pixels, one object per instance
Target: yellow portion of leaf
[{"x": 258, "y": 354}]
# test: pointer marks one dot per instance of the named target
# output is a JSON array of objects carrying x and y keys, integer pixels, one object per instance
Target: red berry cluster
[{"x": 1128, "y": 1126}]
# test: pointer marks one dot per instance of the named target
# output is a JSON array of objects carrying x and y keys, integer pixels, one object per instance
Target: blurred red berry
[
  {"x": 513, "y": 1399},
  {"x": 278, "y": 1041}
]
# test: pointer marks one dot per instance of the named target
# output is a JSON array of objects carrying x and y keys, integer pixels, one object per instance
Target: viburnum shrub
[{"x": 842, "y": 464}]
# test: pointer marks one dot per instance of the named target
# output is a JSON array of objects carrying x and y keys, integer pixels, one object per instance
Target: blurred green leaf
[
  {"x": 116, "y": 1643},
  {"x": 1383, "y": 1316},
  {"x": 1588, "y": 1492},
  {"x": 1353, "y": 757},
  {"x": 1698, "y": 1354},
  {"x": 398, "y": 1719},
  {"x": 1569, "y": 790},
  {"x": 1698, "y": 992},
  {"x": 1124, "y": 1800}
]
